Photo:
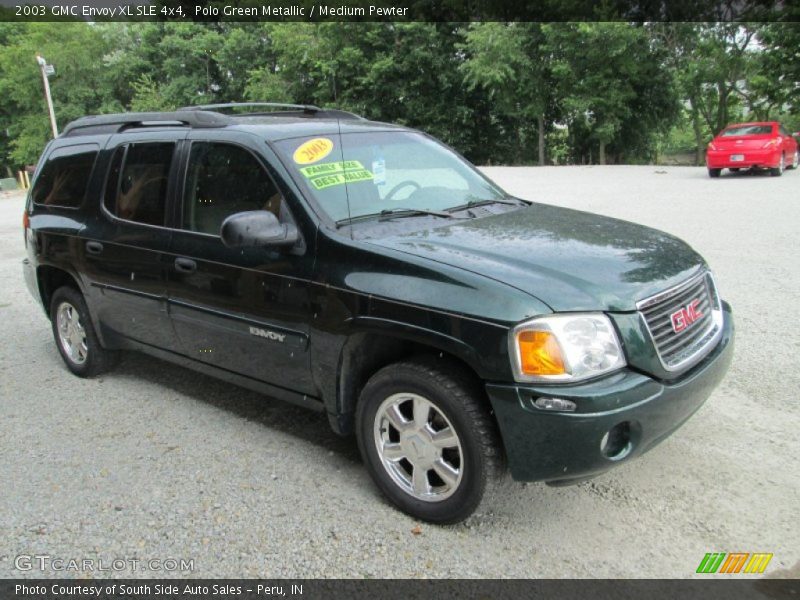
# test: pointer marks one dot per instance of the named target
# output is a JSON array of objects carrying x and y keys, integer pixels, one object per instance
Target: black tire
[
  {"x": 778, "y": 171},
  {"x": 456, "y": 397},
  {"x": 714, "y": 172},
  {"x": 96, "y": 359}
]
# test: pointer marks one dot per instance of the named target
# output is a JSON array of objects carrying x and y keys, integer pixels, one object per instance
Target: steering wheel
[{"x": 400, "y": 186}]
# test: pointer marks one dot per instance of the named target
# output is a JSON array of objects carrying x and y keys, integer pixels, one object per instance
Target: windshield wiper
[
  {"x": 395, "y": 213},
  {"x": 510, "y": 200}
]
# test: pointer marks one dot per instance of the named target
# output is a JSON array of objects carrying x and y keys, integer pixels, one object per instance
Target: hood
[{"x": 568, "y": 259}]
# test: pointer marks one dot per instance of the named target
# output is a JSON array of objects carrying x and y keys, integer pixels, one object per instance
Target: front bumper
[
  {"x": 721, "y": 159},
  {"x": 551, "y": 446}
]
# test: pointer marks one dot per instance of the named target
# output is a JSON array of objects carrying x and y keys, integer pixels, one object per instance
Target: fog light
[
  {"x": 555, "y": 404},
  {"x": 616, "y": 443}
]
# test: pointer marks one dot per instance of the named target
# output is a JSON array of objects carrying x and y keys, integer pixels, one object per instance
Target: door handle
[
  {"x": 185, "y": 265},
  {"x": 94, "y": 247}
]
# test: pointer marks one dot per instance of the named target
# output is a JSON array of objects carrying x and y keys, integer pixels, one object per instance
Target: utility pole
[{"x": 46, "y": 71}]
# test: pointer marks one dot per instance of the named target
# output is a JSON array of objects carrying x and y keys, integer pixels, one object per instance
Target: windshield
[{"x": 358, "y": 174}]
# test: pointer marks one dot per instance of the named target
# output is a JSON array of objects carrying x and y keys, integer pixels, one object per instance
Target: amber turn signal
[{"x": 540, "y": 353}]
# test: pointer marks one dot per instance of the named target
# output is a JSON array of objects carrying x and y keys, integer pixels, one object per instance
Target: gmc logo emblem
[{"x": 681, "y": 319}]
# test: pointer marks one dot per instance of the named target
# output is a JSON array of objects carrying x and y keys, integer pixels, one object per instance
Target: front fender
[{"x": 344, "y": 362}]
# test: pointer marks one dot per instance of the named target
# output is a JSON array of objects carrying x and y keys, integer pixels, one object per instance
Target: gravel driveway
[{"x": 153, "y": 461}]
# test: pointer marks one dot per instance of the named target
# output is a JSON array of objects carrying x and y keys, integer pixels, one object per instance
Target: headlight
[
  {"x": 711, "y": 146},
  {"x": 564, "y": 348}
]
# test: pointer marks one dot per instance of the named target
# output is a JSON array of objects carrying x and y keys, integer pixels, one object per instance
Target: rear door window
[
  {"x": 136, "y": 186},
  {"x": 65, "y": 177}
]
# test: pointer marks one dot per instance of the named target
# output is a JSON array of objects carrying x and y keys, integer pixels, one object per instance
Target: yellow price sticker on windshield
[
  {"x": 312, "y": 151},
  {"x": 326, "y": 181},
  {"x": 331, "y": 168}
]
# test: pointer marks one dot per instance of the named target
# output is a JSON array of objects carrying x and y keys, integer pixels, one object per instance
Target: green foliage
[
  {"x": 616, "y": 94},
  {"x": 80, "y": 85},
  {"x": 510, "y": 64},
  {"x": 779, "y": 78},
  {"x": 147, "y": 96},
  {"x": 501, "y": 93}
]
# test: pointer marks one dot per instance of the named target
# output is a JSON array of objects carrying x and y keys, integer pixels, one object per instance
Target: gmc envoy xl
[{"x": 368, "y": 271}]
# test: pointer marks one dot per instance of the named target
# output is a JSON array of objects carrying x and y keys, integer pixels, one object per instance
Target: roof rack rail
[
  {"x": 120, "y": 121},
  {"x": 289, "y": 110},
  {"x": 233, "y": 105}
]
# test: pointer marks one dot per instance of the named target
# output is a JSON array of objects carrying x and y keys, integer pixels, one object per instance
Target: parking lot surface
[{"x": 152, "y": 461}]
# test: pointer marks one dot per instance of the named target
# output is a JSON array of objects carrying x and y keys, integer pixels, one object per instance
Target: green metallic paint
[
  {"x": 568, "y": 259},
  {"x": 552, "y": 446},
  {"x": 455, "y": 288}
]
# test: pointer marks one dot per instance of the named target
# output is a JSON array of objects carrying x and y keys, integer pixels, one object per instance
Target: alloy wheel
[
  {"x": 418, "y": 447},
  {"x": 71, "y": 334}
]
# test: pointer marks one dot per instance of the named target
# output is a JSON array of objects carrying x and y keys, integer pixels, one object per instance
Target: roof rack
[
  {"x": 310, "y": 108},
  {"x": 284, "y": 110},
  {"x": 120, "y": 121},
  {"x": 202, "y": 116}
]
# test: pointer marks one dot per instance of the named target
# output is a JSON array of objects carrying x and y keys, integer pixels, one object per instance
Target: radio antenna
[{"x": 346, "y": 190}]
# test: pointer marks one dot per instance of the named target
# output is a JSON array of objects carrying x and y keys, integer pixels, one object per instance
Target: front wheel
[
  {"x": 75, "y": 336},
  {"x": 778, "y": 171},
  {"x": 427, "y": 439}
]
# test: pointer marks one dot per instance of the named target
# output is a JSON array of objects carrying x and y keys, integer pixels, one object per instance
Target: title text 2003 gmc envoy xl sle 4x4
[{"x": 368, "y": 271}]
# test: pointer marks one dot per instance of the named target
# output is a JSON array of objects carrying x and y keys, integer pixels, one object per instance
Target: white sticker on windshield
[{"x": 379, "y": 171}]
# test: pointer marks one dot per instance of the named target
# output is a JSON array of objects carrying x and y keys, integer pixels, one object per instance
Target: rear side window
[
  {"x": 65, "y": 177},
  {"x": 222, "y": 180},
  {"x": 136, "y": 187}
]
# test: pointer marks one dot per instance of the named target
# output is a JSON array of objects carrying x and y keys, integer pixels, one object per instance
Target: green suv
[{"x": 369, "y": 272}]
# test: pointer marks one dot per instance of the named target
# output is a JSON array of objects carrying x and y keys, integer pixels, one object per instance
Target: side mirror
[{"x": 256, "y": 228}]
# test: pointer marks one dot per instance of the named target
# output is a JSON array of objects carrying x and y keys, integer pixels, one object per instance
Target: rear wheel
[
  {"x": 795, "y": 160},
  {"x": 778, "y": 171},
  {"x": 75, "y": 336},
  {"x": 427, "y": 439},
  {"x": 714, "y": 172}
]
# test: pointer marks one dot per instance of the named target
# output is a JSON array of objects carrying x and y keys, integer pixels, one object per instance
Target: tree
[
  {"x": 722, "y": 74},
  {"x": 311, "y": 63},
  {"x": 610, "y": 82},
  {"x": 80, "y": 85},
  {"x": 779, "y": 80},
  {"x": 411, "y": 76},
  {"x": 718, "y": 72},
  {"x": 498, "y": 92},
  {"x": 509, "y": 62}
]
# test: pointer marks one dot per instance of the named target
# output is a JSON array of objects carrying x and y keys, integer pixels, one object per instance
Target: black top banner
[{"x": 403, "y": 10}]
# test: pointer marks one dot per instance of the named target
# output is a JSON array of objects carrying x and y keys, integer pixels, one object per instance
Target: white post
[{"x": 42, "y": 64}]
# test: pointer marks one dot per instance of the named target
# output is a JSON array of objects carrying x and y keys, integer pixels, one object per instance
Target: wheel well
[
  {"x": 365, "y": 354},
  {"x": 50, "y": 279}
]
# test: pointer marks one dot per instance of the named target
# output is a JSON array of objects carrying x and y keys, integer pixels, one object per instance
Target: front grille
[{"x": 680, "y": 349}]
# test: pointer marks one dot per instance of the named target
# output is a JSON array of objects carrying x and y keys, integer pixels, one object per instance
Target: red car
[{"x": 762, "y": 145}]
